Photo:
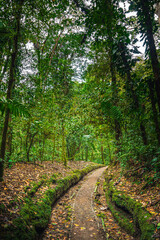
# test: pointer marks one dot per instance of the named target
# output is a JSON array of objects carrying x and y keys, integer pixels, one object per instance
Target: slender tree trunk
[
  {"x": 30, "y": 145},
  {"x": 9, "y": 140},
  {"x": 152, "y": 48},
  {"x": 154, "y": 110},
  {"x": 68, "y": 149},
  {"x": 11, "y": 83},
  {"x": 110, "y": 158},
  {"x": 54, "y": 146},
  {"x": 3, "y": 143},
  {"x": 118, "y": 132},
  {"x": 143, "y": 134},
  {"x": 86, "y": 157},
  {"x": 58, "y": 140},
  {"x": 74, "y": 151},
  {"x": 21, "y": 145},
  {"x": 40, "y": 151},
  {"x": 92, "y": 156},
  {"x": 129, "y": 86},
  {"x": 43, "y": 148},
  {"x": 82, "y": 154},
  {"x": 102, "y": 154},
  {"x": 63, "y": 147}
]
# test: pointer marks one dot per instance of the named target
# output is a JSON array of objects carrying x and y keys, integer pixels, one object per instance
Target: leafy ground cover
[
  {"x": 61, "y": 220},
  {"x": 24, "y": 180},
  {"x": 112, "y": 229},
  {"x": 137, "y": 188},
  {"x": 61, "y": 217}
]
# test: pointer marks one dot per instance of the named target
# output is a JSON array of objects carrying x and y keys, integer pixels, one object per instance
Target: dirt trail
[{"x": 85, "y": 223}]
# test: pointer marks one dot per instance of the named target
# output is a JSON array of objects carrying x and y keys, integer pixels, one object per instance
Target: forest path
[
  {"x": 74, "y": 216},
  {"x": 85, "y": 223}
]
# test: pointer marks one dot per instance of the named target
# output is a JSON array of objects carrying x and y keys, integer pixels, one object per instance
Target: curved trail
[{"x": 85, "y": 223}]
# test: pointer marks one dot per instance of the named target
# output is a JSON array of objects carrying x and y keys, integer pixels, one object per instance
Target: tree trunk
[
  {"x": 102, "y": 154},
  {"x": 63, "y": 147},
  {"x": 154, "y": 110},
  {"x": 44, "y": 138},
  {"x": 118, "y": 132},
  {"x": 54, "y": 146},
  {"x": 11, "y": 83},
  {"x": 86, "y": 157},
  {"x": 110, "y": 158},
  {"x": 129, "y": 86},
  {"x": 143, "y": 134},
  {"x": 40, "y": 150},
  {"x": 9, "y": 140},
  {"x": 82, "y": 155},
  {"x": 92, "y": 156},
  {"x": 152, "y": 47},
  {"x": 30, "y": 145}
]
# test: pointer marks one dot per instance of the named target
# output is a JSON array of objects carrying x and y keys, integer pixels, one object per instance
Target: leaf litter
[{"x": 21, "y": 175}]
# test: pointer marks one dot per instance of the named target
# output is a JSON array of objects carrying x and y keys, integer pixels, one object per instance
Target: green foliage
[
  {"x": 16, "y": 108},
  {"x": 110, "y": 110}
]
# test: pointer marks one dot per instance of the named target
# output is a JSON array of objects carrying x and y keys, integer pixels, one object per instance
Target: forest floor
[
  {"x": 21, "y": 175},
  {"x": 62, "y": 221}
]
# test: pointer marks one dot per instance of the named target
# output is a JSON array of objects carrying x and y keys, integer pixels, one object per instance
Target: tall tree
[
  {"x": 17, "y": 14},
  {"x": 145, "y": 13}
]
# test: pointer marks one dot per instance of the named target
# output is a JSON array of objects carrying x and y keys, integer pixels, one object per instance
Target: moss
[
  {"x": 50, "y": 195},
  {"x": 35, "y": 187},
  {"x": 19, "y": 231},
  {"x": 34, "y": 218},
  {"x": 121, "y": 218},
  {"x": 32, "y": 189},
  {"x": 53, "y": 178},
  {"x": 119, "y": 203}
]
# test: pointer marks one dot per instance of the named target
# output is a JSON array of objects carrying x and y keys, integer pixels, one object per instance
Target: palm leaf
[
  {"x": 15, "y": 107},
  {"x": 111, "y": 110}
]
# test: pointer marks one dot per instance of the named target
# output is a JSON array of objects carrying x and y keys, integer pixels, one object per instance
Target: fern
[
  {"x": 15, "y": 107},
  {"x": 110, "y": 110}
]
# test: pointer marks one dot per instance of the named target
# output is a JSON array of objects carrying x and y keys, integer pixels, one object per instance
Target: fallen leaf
[{"x": 82, "y": 228}]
